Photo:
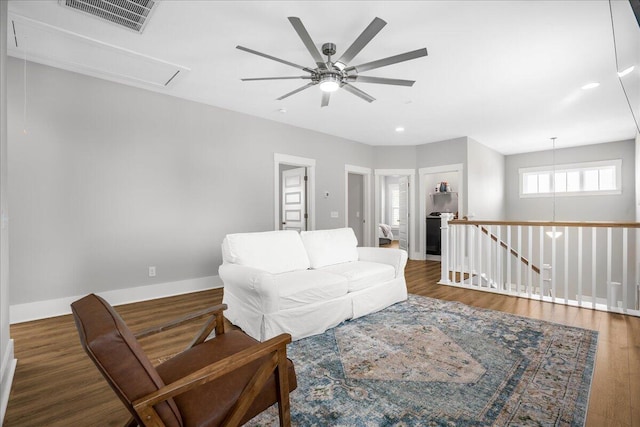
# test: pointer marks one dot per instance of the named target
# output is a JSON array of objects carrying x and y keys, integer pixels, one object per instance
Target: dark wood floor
[{"x": 56, "y": 385}]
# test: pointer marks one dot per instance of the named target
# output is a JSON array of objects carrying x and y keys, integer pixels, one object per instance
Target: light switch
[{"x": 334, "y": 214}]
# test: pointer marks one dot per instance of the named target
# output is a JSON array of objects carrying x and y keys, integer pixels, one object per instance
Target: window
[
  {"x": 394, "y": 190},
  {"x": 580, "y": 179}
]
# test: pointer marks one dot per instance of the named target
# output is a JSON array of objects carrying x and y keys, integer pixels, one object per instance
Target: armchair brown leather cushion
[
  {"x": 195, "y": 405},
  {"x": 119, "y": 357}
]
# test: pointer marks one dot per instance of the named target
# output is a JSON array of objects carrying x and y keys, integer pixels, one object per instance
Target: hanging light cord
[
  {"x": 615, "y": 51},
  {"x": 24, "y": 85}
]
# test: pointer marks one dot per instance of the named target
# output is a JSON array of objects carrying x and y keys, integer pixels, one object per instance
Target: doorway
[
  {"x": 357, "y": 205},
  {"x": 394, "y": 203},
  {"x": 433, "y": 202},
  {"x": 294, "y": 193}
]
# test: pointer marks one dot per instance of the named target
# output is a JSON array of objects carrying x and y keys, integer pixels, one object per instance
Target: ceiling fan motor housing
[{"x": 329, "y": 49}]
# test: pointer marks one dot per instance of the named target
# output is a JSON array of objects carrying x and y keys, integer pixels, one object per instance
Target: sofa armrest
[
  {"x": 255, "y": 287},
  {"x": 397, "y": 258}
]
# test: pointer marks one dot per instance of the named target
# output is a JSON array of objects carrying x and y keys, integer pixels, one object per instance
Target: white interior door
[
  {"x": 403, "y": 226},
  {"x": 294, "y": 199}
]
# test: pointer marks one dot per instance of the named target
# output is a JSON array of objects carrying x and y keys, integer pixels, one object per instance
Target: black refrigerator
[{"x": 433, "y": 234}]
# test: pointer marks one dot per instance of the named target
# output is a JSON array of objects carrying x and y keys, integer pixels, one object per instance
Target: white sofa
[{"x": 304, "y": 284}]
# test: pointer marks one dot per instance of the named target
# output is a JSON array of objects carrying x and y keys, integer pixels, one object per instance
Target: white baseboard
[
  {"x": 57, "y": 307},
  {"x": 6, "y": 379}
]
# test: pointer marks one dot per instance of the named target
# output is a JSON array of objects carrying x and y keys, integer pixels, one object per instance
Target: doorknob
[{"x": 283, "y": 223}]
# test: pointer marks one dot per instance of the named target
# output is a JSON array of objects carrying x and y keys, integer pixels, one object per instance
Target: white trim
[
  {"x": 8, "y": 370},
  {"x": 366, "y": 175},
  {"x": 423, "y": 172},
  {"x": 61, "y": 306},
  {"x": 310, "y": 164},
  {"x": 411, "y": 173}
]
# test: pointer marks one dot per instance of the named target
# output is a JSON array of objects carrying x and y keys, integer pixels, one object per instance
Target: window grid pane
[
  {"x": 544, "y": 183},
  {"x": 573, "y": 181},
  {"x": 590, "y": 180},
  {"x": 607, "y": 179},
  {"x": 560, "y": 184}
]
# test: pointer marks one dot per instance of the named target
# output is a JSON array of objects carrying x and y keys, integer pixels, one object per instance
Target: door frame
[
  {"x": 423, "y": 172},
  {"x": 289, "y": 160},
  {"x": 366, "y": 176},
  {"x": 411, "y": 173}
]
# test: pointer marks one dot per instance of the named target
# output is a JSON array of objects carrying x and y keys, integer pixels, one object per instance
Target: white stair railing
[{"x": 584, "y": 264}]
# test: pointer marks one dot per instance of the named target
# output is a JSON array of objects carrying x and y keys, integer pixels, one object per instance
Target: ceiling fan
[{"x": 332, "y": 76}]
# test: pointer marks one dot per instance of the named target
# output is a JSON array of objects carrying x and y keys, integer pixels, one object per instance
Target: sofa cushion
[
  {"x": 272, "y": 251},
  {"x": 328, "y": 247},
  {"x": 298, "y": 288},
  {"x": 362, "y": 274}
]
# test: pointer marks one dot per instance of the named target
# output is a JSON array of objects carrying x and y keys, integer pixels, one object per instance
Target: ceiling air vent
[{"x": 131, "y": 14}]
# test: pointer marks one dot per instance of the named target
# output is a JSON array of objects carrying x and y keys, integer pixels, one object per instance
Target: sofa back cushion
[
  {"x": 329, "y": 247},
  {"x": 272, "y": 251}
]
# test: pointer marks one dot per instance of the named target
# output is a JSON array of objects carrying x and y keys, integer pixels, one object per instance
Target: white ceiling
[{"x": 505, "y": 73}]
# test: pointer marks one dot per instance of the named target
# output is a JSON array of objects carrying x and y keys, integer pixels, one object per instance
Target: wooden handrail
[
  {"x": 602, "y": 224},
  {"x": 524, "y": 260}
]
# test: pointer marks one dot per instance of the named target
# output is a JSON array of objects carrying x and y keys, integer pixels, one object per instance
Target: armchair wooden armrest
[
  {"x": 275, "y": 347},
  {"x": 216, "y": 321}
]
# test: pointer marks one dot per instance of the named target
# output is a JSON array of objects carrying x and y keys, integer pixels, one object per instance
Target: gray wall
[
  {"x": 112, "y": 179},
  {"x": 397, "y": 157},
  {"x": 485, "y": 182},
  {"x": 574, "y": 208},
  {"x": 6, "y": 352}
]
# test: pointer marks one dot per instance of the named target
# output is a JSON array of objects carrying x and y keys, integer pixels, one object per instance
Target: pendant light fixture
[{"x": 553, "y": 234}]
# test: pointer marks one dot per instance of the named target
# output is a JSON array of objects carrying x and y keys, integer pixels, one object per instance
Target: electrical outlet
[
  {"x": 152, "y": 271},
  {"x": 334, "y": 214}
]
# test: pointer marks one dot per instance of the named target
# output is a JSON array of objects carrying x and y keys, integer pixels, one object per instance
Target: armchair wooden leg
[{"x": 282, "y": 388}]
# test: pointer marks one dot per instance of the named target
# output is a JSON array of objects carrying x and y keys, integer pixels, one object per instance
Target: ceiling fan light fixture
[{"x": 329, "y": 82}]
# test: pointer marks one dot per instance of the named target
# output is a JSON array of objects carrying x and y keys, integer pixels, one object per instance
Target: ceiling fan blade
[
  {"x": 357, "y": 92},
  {"x": 274, "y": 78},
  {"x": 293, "y": 92},
  {"x": 388, "y": 61},
  {"x": 308, "y": 42},
  {"x": 325, "y": 99},
  {"x": 381, "y": 80},
  {"x": 273, "y": 58},
  {"x": 363, "y": 39}
]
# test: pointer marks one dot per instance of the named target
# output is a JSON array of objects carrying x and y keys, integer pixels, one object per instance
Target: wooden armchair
[{"x": 223, "y": 381}]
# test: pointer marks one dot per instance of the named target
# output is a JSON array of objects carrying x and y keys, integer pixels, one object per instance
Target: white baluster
[
  {"x": 625, "y": 267},
  {"x": 593, "y": 266},
  {"x": 580, "y": 266},
  {"x": 566, "y": 265}
]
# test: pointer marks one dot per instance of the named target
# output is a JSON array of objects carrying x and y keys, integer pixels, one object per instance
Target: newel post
[{"x": 444, "y": 247}]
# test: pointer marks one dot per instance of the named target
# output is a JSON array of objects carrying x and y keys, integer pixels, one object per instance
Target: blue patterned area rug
[{"x": 427, "y": 362}]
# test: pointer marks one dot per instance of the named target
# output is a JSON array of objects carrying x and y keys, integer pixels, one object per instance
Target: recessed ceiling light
[
  {"x": 591, "y": 85},
  {"x": 282, "y": 111},
  {"x": 626, "y": 71},
  {"x": 399, "y": 129}
]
